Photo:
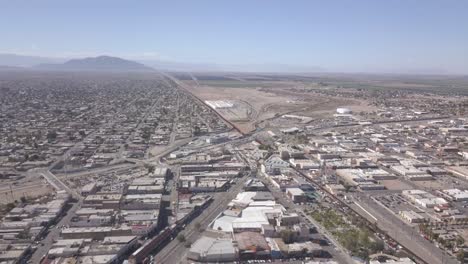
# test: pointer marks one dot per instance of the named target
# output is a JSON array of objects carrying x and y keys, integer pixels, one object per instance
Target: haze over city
[
  {"x": 183, "y": 132},
  {"x": 303, "y": 36}
]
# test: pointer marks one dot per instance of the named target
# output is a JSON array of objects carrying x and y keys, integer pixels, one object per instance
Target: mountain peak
[
  {"x": 106, "y": 63},
  {"x": 99, "y": 63}
]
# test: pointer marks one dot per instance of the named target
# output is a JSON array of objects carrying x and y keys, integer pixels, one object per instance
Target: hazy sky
[{"x": 346, "y": 35}]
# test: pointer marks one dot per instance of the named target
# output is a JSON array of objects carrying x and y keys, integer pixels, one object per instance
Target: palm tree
[{"x": 460, "y": 241}]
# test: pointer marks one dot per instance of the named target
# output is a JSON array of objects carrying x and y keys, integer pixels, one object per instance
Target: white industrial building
[
  {"x": 456, "y": 194},
  {"x": 208, "y": 249},
  {"x": 411, "y": 173},
  {"x": 343, "y": 111},
  {"x": 304, "y": 164},
  {"x": 423, "y": 198},
  {"x": 220, "y": 104}
]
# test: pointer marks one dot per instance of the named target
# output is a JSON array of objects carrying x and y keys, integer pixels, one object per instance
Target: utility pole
[{"x": 11, "y": 193}]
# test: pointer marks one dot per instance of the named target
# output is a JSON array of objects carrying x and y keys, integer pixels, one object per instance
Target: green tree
[
  {"x": 460, "y": 241},
  {"x": 364, "y": 238},
  {"x": 196, "y": 130},
  {"x": 181, "y": 238},
  {"x": 10, "y": 206},
  {"x": 363, "y": 254},
  {"x": 461, "y": 256},
  {"x": 423, "y": 228},
  {"x": 150, "y": 168},
  {"x": 51, "y": 135},
  {"x": 287, "y": 236},
  {"x": 377, "y": 246},
  {"x": 146, "y": 135}
]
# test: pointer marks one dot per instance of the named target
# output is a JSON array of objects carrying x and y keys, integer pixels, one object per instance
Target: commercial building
[
  {"x": 141, "y": 201},
  {"x": 103, "y": 201},
  {"x": 357, "y": 178},
  {"x": 273, "y": 165},
  {"x": 304, "y": 164},
  {"x": 207, "y": 249},
  {"x": 97, "y": 233},
  {"x": 456, "y": 194},
  {"x": 88, "y": 189},
  {"x": 412, "y": 217},
  {"x": 423, "y": 198},
  {"x": 411, "y": 173},
  {"x": 251, "y": 245},
  {"x": 296, "y": 195}
]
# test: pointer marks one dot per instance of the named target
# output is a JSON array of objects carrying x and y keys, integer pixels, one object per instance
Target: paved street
[
  {"x": 340, "y": 253},
  {"x": 400, "y": 232},
  {"x": 54, "y": 232},
  {"x": 174, "y": 251},
  {"x": 404, "y": 234}
]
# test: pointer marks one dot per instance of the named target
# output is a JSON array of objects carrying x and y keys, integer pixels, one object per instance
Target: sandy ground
[
  {"x": 258, "y": 101},
  {"x": 433, "y": 185},
  {"x": 30, "y": 190},
  {"x": 269, "y": 102},
  {"x": 396, "y": 185}
]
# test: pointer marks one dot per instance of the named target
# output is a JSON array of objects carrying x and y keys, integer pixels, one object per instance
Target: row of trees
[
  {"x": 428, "y": 231},
  {"x": 359, "y": 242},
  {"x": 356, "y": 237}
]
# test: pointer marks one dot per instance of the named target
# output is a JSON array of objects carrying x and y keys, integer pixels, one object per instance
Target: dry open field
[
  {"x": 9, "y": 192},
  {"x": 259, "y": 101},
  {"x": 396, "y": 185}
]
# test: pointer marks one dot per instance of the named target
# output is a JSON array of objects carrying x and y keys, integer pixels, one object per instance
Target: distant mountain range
[
  {"x": 14, "y": 62},
  {"x": 101, "y": 63},
  {"x": 107, "y": 63}
]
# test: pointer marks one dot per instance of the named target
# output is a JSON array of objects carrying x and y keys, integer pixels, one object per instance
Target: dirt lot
[
  {"x": 396, "y": 185},
  {"x": 29, "y": 190},
  {"x": 270, "y": 100}
]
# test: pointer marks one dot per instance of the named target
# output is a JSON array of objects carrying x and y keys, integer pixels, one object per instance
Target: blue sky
[{"x": 346, "y": 35}]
